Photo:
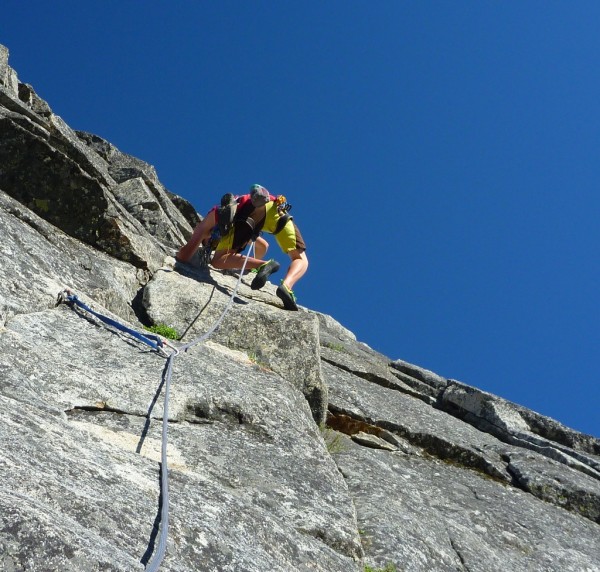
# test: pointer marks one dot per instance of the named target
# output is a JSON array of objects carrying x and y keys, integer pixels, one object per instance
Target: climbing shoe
[
  {"x": 263, "y": 273},
  {"x": 287, "y": 297}
]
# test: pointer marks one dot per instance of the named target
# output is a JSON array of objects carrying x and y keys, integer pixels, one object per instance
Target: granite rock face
[
  {"x": 292, "y": 446},
  {"x": 87, "y": 188}
]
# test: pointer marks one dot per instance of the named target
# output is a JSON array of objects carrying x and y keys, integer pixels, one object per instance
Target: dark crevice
[
  {"x": 99, "y": 408},
  {"x": 515, "y": 478},
  {"x": 351, "y": 425},
  {"x": 137, "y": 305},
  {"x": 463, "y": 562}
]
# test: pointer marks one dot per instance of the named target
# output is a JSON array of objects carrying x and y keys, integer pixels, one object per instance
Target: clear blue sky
[{"x": 442, "y": 158}]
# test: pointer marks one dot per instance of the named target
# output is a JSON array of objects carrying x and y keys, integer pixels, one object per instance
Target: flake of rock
[
  {"x": 436, "y": 432},
  {"x": 368, "y": 440}
]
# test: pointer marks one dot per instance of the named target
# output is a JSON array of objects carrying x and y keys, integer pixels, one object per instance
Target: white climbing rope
[
  {"x": 158, "y": 344},
  {"x": 157, "y": 559}
]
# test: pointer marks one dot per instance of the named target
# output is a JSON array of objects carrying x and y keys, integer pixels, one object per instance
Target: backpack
[{"x": 226, "y": 213}]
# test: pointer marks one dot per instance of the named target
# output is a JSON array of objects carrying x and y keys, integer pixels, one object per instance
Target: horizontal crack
[
  {"x": 100, "y": 407},
  {"x": 433, "y": 445},
  {"x": 550, "y": 449}
]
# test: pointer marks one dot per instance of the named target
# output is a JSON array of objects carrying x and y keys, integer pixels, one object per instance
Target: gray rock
[
  {"x": 438, "y": 433},
  {"x": 186, "y": 209},
  {"x": 142, "y": 204},
  {"x": 507, "y": 421},
  {"x": 553, "y": 482},
  {"x": 77, "y": 443},
  {"x": 167, "y": 217},
  {"x": 422, "y": 515},
  {"x": 419, "y": 373},
  {"x": 39, "y": 175},
  {"x": 38, "y": 261},
  {"x": 8, "y": 76},
  {"x": 359, "y": 359},
  {"x": 282, "y": 341}
]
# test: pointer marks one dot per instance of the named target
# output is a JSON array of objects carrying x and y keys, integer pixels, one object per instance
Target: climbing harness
[{"x": 158, "y": 343}]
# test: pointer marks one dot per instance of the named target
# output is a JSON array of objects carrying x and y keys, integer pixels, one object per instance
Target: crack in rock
[{"x": 432, "y": 444}]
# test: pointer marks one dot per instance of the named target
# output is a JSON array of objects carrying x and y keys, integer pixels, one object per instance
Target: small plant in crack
[
  {"x": 255, "y": 359},
  {"x": 333, "y": 440},
  {"x": 164, "y": 331},
  {"x": 388, "y": 568}
]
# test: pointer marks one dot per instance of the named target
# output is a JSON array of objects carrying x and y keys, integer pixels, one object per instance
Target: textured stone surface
[
  {"x": 38, "y": 261},
  {"x": 252, "y": 484},
  {"x": 8, "y": 76},
  {"x": 429, "y": 516},
  {"x": 413, "y": 469},
  {"x": 287, "y": 343},
  {"x": 166, "y": 216}
]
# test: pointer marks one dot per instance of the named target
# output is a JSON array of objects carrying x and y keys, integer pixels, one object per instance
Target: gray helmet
[{"x": 259, "y": 195}]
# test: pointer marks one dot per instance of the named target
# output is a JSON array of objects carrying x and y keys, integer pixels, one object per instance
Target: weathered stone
[
  {"x": 8, "y": 76},
  {"x": 436, "y": 432},
  {"x": 186, "y": 209},
  {"x": 143, "y": 205},
  {"x": 38, "y": 261},
  {"x": 368, "y": 440},
  {"x": 167, "y": 217},
  {"x": 506, "y": 421},
  {"x": 331, "y": 329},
  {"x": 450, "y": 439},
  {"x": 55, "y": 187},
  {"x": 282, "y": 341},
  {"x": 426, "y": 516},
  {"x": 79, "y": 400},
  {"x": 553, "y": 482},
  {"x": 433, "y": 379},
  {"x": 360, "y": 360},
  {"x": 27, "y": 94}
]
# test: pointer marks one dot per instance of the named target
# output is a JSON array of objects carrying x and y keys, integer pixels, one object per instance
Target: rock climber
[{"x": 239, "y": 221}]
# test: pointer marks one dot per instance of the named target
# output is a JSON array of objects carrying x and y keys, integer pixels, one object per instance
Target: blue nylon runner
[{"x": 149, "y": 339}]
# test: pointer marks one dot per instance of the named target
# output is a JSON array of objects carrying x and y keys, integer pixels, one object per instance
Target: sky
[{"x": 441, "y": 158}]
